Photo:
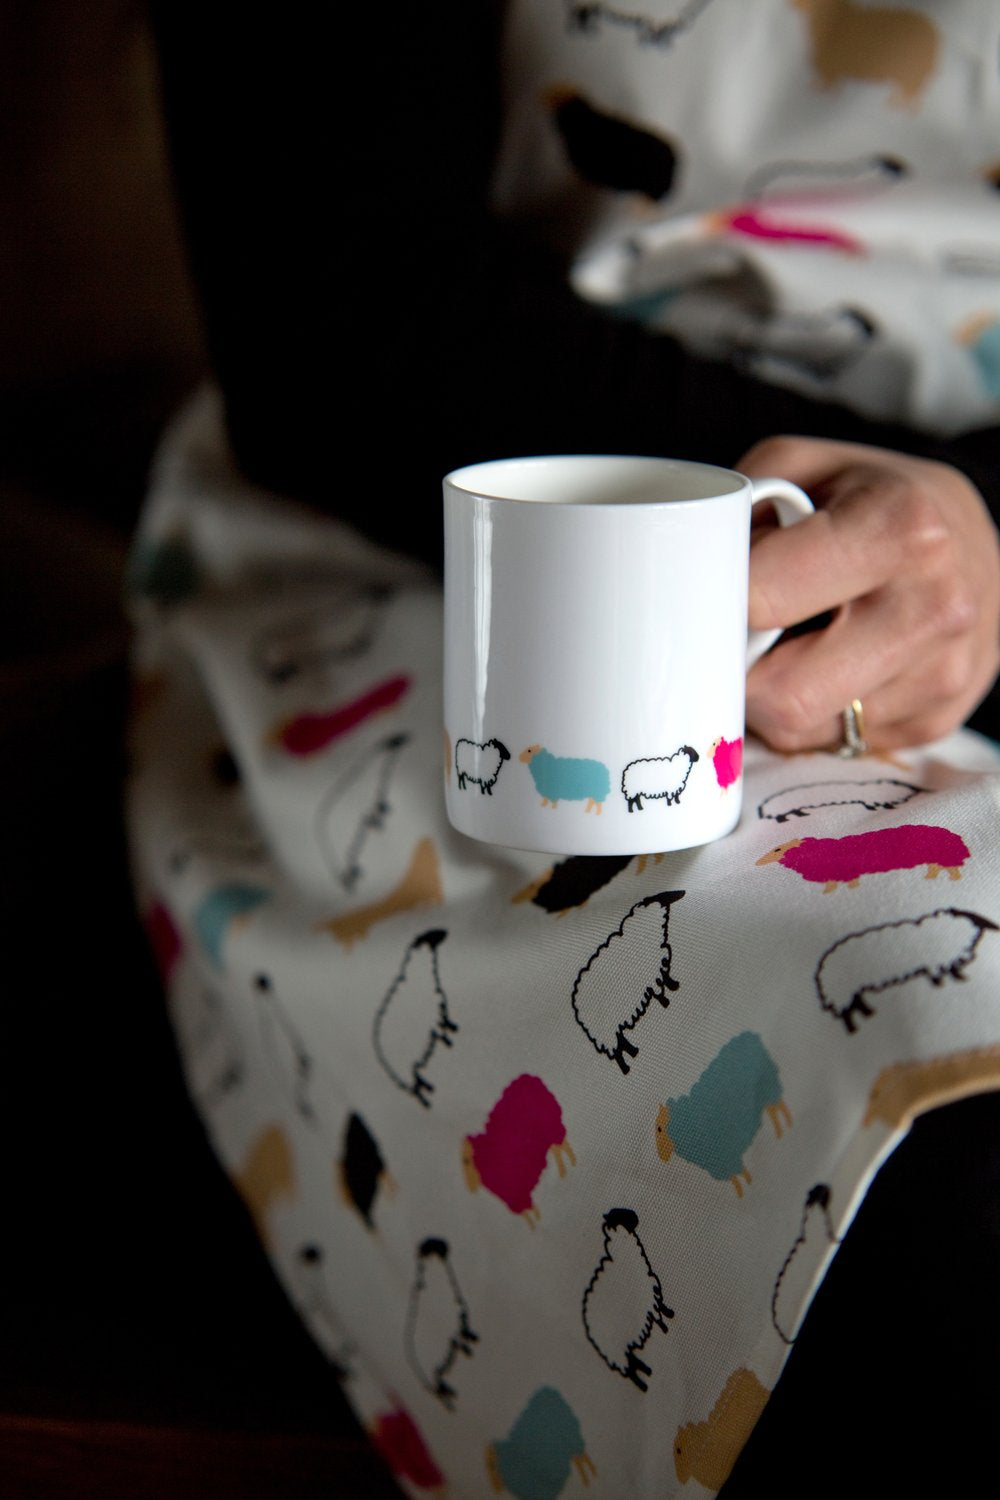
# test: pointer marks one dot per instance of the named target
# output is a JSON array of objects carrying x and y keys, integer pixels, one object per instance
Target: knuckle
[
  {"x": 951, "y": 677},
  {"x": 933, "y": 725},
  {"x": 794, "y": 714},
  {"x": 915, "y": 517},
  {"x": 771, "y": 453},
  {"x": 950, "y": 609}
]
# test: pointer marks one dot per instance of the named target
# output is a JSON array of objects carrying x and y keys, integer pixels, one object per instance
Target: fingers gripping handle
[{"x": 791, "y": 504}]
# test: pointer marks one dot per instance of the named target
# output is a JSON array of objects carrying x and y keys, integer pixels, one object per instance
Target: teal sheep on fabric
[
  {"x": 561, "y": 778},
  {"x": 533, "y": 1462},
  {"x": 713, "y": 1125},
  {"x": 216, "y": 913}
]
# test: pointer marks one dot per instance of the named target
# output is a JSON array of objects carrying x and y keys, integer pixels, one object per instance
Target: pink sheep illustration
[
  {"x": 164, "y": 938},
  {"x": 727, "y": 761},
  {"x": 401, "y": 1444},
  {"x": 843, "y": 861},
  {"x": 508, "y": 1157}
]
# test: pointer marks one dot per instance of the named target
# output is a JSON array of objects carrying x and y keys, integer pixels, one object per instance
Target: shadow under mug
[{"x": 596, "y": 649}]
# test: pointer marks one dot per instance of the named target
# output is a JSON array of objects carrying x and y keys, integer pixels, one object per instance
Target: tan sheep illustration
[
  {"x": 706, "y": 1451},
  {"x": 906, "y": 1089},
  {"x": 873, "y": 44},
  {"x": 420, "y": 886},
  {"x": 267, "y": 1174}
]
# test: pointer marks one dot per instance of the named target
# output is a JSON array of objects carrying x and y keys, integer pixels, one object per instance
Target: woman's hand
[{"x": 906, "y": 555}]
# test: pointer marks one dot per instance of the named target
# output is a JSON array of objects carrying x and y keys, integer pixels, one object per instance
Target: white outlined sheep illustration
[
  {"x": 413, "y": 1018},
  {"x": 619, "y": 982},
  {"x": 309, "y": 1292},
  {"x": 800, "y": 801},
  {"x": 658, "y": 778},
  {"x": 800, "y": 1266},
  {"x": 437, "y": 1322},
  {"x": 209, "y": 1041},
  {"x": 649, "y": 31},
  {"x": 233, "y": 844},
  {"x": 623, "y": 1301},
  {"x": 310, "y": 639},
  {"x": 936, "y": 946},
  {"x": 285, "y": 1048},
  {"x": 355, "y": 807},
  {"x": 479, "y": 763}
]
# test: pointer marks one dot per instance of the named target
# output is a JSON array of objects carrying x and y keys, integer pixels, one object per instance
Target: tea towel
[{"x": 550, "y": 1155}]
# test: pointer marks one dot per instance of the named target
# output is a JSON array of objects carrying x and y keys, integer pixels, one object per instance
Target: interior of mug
[{"x": 596, "y": 479}]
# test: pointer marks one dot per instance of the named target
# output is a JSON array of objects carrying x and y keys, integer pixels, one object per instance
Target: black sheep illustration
[
  {"x": 610, "y": 152},
  {"x": 573, "y": 881},
  {"x": 362, "y": 1169},
  {"x": 437, "y": 1324}
]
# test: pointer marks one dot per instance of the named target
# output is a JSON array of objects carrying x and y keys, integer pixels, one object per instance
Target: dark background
[{"x": 145, "y": 1346}]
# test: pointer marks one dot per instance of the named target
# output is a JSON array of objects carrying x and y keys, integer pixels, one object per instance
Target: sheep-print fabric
[
  {"x": 808, "y": 188},
  {"x": 550, "y": 1155}
]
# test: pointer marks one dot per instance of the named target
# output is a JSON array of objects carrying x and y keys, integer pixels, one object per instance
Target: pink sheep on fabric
[
  {"x": 833, "y": 862},
  {"x": 508, "y": 1157},
  {"x": 401, "y": 1444}
]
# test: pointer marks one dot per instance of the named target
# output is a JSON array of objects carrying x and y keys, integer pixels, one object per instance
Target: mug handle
[{"x": 791, "y": 505}]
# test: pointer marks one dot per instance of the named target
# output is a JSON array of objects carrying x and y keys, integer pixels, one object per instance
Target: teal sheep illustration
[
  {"x": 221, "y": 910},
  {"x": 534, "y": 1461},
  {"x": 561, "y": 778},
  {"x": 713, "y": 1125}
]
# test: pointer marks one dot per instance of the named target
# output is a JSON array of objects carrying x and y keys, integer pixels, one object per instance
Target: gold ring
[{"x": 854, "y": 742}]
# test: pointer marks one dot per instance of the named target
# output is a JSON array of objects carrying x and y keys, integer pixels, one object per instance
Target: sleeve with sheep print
[
  {"x": 808, "y": 188},
  {"x": 550, "y": 1155}
]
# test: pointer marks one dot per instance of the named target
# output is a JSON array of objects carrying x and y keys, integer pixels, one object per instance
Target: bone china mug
[{"x": 596, "y": 649}]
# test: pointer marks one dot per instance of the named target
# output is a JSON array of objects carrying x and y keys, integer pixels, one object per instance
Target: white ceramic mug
[{"x": 596, "y": 649}]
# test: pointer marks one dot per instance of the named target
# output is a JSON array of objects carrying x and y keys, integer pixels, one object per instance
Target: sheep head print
[{"x": 596, "y": 650}]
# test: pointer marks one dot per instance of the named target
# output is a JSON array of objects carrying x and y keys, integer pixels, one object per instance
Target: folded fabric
[{"x": 550, "y": 1155}]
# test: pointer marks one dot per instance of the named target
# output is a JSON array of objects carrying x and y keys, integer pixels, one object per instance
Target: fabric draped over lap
[{"x": 550, "y": 1155}]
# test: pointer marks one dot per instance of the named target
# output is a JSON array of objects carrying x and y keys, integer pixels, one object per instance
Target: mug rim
[{"x": 470, "y": 480}]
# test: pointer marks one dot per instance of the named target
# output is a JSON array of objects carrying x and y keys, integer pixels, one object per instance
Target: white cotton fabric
[
  {"x": 364, "y": 1000},
  {"x": 832, "y": 220}
]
